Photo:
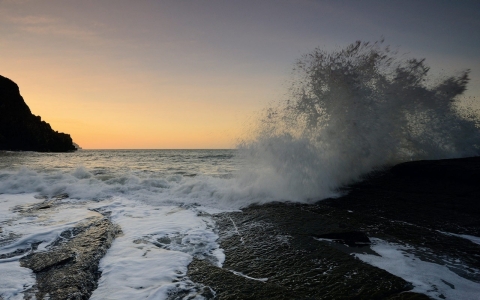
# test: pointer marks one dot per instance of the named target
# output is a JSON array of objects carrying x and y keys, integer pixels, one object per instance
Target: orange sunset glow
[{"x": 163, "y": 74}]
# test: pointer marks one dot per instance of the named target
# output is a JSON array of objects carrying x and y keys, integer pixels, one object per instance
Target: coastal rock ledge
[
  {"x": 20, "y": 130},
  {"x": 408, "y": 232}
]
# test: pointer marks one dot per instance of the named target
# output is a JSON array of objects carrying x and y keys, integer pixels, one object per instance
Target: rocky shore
[
  {"x": 295, "y": 251},
  {"x": 428, "y": 209},
  {"x": 69, "y": 269}
]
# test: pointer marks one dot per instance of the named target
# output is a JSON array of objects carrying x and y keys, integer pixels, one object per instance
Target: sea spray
[
  {"x": 348, "y": 112},
  {"x": 354, "y": 110}
]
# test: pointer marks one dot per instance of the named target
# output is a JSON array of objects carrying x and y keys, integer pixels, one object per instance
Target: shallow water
[{"x": 160, "y": 199}]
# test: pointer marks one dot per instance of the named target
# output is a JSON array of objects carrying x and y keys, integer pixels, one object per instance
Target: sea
[
  {"x": 346, "y": 113},
  {"x": 154, "y": 195},
  {"x": 150, "y": 194}
]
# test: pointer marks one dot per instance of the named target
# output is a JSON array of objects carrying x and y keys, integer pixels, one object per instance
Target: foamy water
[
  {"x": 164, "y": 212},
  {"x": 435, "y": 280},
  {"x": 152, "y": 195}
]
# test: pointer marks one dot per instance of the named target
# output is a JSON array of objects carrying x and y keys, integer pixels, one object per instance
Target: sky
[{"x": 118, "y": 74}]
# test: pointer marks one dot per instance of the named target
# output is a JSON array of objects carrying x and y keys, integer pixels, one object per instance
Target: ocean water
[
  {"x": 157, "y": 176},
  {"x": 347, "y": 113},
  {"x": 151, "y": 194}
]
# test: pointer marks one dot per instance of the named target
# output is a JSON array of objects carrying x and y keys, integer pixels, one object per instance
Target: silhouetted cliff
[{"x": 21, "y": 130}]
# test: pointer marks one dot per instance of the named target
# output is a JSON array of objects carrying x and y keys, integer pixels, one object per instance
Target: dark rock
[
  {"x": 409, "y": 296},
  {"x": 46, "y": 204},
  {"x": 440, "y": 194},
  {"x": 21, "y": 130},
  {"x": 350, "y": 238},
  {"x": 462, "y": 171},
  {"x": 43, "y": 261},
  {"x": 274, "y": 247},
  {"x": 304, "y": 251},
  {"x": 230, "y": 286},
  {"x": 70, "y": 269}
]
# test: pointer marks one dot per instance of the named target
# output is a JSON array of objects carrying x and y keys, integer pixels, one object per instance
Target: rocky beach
[
  {"x": 424, "y": 212},
  {"x": 295, "y": 251},
  {"x": 250, "y": 150}
]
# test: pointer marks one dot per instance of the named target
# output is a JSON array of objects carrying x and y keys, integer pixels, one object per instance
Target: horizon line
[{"x": 157, "y": 149}]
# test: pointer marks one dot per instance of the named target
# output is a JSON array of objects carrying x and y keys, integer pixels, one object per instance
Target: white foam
[
  {"x": 248, "y": 277},
  {"x": 14, "y": 280},
  {"x": 212, "y": 193},
  {"x": 21, "y": 230},
  {"x": 150, "y": 259},
  {"x": 43, "y": 226},
  {"x": 8, "y": 202},
  {"x": 434, "y": 280}
]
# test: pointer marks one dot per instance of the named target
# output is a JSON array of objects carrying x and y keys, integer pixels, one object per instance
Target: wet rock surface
[
  {"x": 297, "y": 251},
  {"x": 277, "y": 249},
  {"x": 441, "y": 194},
  {"x": 69, "y": 269}
]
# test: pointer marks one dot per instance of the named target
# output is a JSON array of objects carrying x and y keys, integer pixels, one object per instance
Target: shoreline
[
  {"x": 414, "y": 211},
  {"x": 420, "y": 215}
]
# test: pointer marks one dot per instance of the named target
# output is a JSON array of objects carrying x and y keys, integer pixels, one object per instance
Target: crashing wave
[{"x": 356, "y": 109}]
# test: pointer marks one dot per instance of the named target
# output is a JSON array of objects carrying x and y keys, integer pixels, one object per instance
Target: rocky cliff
[{"x": 21, "y": 130}]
